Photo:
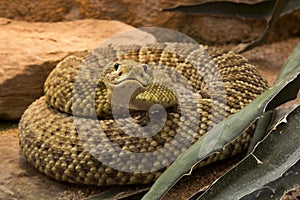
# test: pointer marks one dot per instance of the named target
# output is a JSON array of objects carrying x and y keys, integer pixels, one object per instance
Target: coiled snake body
[{"x": 79, "y": 148}]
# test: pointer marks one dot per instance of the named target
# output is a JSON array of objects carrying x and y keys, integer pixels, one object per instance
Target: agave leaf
[
  {"x": 261, "y": 10},
  {"x": 290, "y": 7},
  {"x": 229, "y": 130},
  {"x": 271, "y": 159},
  {"x": 257, "y": 10},
  {"x": 225, "y": 132},
  {"x": 276, "y": 189},
  {"x": 119, "y": 192},
  {"x": 273, "y": 190},
  {"x": 290, "y": 64},
  {"x": 269, "y": 10},
  {"x": 278, "y": 7},
  {"x": 261, "y": 128}
]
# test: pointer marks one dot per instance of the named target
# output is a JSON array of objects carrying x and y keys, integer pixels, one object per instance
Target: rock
[
  {"x": 55, "y": 10},
  {"x": 19, "y": 180},
  {"x": 29, "y": 51},
  {"x": 203, "y": 28}
]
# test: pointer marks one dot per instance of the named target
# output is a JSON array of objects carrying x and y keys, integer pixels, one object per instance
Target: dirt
[{"x": 19, "y": 180}]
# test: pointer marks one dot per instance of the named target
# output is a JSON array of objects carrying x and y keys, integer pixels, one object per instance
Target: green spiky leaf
[
  {"x": 228, "y": 130},
  {"x": 255, "y": 177}
]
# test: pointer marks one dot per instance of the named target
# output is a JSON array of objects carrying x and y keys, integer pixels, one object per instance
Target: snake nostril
[
  {"x": 145, "y": 68},
  {"x": 120, "y": 73}
]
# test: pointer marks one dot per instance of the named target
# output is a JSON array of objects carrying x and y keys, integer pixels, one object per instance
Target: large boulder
[
  {"x": 203, "y": 28},
  {"x": 29, "y": 51}
]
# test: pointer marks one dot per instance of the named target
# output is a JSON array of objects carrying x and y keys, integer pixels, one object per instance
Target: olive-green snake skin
[{"x": 73, "y": 149}]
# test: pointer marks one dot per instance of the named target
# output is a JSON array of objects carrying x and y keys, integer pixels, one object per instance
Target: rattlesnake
[{"x": 213, "y": 83}]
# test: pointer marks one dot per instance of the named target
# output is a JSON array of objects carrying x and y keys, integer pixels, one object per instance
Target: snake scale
[{"x": 69, "y": 147}]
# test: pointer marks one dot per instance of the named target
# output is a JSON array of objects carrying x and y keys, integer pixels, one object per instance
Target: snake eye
[
  {"x": 145, "y": 67},
  {"x": 116, "y": 66}
]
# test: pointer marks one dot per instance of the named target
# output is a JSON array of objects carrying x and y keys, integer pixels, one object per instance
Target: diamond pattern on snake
[{"x": 122, "y": 114}]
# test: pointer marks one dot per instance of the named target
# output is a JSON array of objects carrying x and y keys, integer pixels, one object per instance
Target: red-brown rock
[
  {"x": 203, "y": 28},
  {"x": 29, "y": 51}
]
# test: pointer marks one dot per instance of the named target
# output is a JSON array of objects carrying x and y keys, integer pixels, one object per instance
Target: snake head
[
  {"x": 127, "y": 72},
  {"x": 127, "y": 79},
  {"x": 136, "y": 86}
]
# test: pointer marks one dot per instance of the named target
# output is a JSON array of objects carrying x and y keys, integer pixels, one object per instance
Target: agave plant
[{"x": 277, "y": 154}]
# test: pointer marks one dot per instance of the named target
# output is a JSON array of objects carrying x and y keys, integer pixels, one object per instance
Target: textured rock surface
[
  {"x": 149, "y": 13},
  {"x": 29, "y": 51}
]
